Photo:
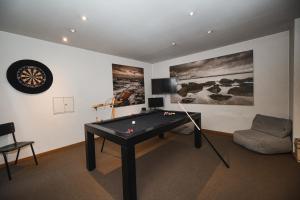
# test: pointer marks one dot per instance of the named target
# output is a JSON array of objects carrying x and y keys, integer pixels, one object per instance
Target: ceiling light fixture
[
  {"x": 191, "y": 13},
  {"x": 64, "y": 39},
  {"x": 72, "y": 30},
  {"x": 84, "y": 18},
  {"x": 210, "y": 31},
  {"x": 173, "y": 43}
]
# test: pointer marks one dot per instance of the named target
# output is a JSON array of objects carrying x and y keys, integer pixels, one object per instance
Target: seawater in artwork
[
  {"x": 128, "y": 85},
  {"x": 225, "y": 80}
]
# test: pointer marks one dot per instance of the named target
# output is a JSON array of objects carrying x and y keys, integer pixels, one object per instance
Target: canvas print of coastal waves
[
  {"x": 225, "y": 80},
  {"x": 128, "y": 85}
]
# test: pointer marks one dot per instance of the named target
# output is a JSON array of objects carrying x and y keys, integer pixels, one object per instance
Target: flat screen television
[
  {"x": 164, "y": 85},
  {"x": 155, "y": 102}
]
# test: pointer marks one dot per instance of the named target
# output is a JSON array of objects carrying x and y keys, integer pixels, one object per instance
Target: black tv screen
[
  {"x": 156, "y": 102},
  {"x": 164, "y": 86}
]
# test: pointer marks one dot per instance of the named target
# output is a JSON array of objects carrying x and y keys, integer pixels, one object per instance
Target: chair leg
[
  {"x": 7, "y": 166},
  {"x": 103, "y": 142},
  {"x": 35, "y": 160},
  {"x": 16, "y": 161}
]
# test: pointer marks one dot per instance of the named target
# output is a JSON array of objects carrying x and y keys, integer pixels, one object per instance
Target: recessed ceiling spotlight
[
  {"x": 64, "y": 39},
  {"x": 173, "y": 43},
  {"x": 84, "y": 18},
  {"x": 191, "y": 13},
  {"x": 72, "y": 30},
  {"x": 210, "y": 31}
]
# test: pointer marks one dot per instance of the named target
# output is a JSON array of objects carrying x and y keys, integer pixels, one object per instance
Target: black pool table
[{"x": 127, "y": 133}]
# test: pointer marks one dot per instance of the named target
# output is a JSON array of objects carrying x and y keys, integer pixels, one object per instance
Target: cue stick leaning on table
[
  {"x": 225, "y": 163},
  {"x": 113, "y": 113}
]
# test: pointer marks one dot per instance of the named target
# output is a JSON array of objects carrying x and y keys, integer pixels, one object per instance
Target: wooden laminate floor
[{"x": 170, "y": 169}]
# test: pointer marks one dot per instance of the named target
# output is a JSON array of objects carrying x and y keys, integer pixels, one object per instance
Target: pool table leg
[
  {"x": 161, "y": 136},
  {"x": 90, "y": 151},
  {"x": 128, "y": 172},
  {"x": 197, "y": 134}
]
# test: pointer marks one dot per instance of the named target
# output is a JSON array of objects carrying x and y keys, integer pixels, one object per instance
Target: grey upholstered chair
[{"x": 268, "y": 135}]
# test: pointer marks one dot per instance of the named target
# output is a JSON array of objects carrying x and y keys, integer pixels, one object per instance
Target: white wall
[
  {"x": 271, "y": 83},
  {"x": 296, "y": 78},
  {"x": 291, "y": 69},
  {"x": 86, "y": 75}
]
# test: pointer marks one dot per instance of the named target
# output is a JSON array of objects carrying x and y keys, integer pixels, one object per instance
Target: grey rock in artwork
[
  {"x": 208, "y": 83},
  {"x": 219, "y": 97},
  {"x": 183, "y": 91},
  {"x": 194, "y": 87},
  {"x": 214, "y": 89},
  {"x": 226, "y": 82},
  {"x": 190, "y": 87},
  {"x": 187, "y": 100},
  {"x": 245, "y": 80},
  {"x": 244, "y": 89}
]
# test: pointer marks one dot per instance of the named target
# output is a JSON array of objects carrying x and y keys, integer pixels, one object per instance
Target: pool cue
[
  {"x": 216, "y": 151},
  {"x": 181, "y": 106},
  {"x": 113, "y": 115}
]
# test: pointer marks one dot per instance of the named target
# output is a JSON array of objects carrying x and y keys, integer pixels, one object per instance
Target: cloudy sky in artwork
[
  {"x": 237, "y": 63},
  {"x": 127, "y": 71}
]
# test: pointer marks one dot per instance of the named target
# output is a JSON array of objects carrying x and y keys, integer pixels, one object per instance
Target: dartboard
[{"x": 29, "y": 76}]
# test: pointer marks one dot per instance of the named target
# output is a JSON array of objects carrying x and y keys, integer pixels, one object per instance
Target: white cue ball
[{"x": 133, "y": 122}]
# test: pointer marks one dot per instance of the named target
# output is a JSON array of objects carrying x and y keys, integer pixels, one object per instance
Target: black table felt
[{"x": 143, "y": 122}]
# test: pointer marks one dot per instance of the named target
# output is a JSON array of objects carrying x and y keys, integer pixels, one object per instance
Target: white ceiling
[{"x": 144, "y": 29}]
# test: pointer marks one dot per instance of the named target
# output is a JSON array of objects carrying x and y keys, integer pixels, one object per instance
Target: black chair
[{"x": 6, "y": 129}]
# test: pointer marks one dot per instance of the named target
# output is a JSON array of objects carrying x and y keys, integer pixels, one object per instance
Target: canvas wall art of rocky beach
[
  {"x": 128, "y": 85},
  {"x": 225, "y": 80}
]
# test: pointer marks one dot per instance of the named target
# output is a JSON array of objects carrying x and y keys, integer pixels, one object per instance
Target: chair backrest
[
  {"x": 277, "y": 127},
  {"x": 8, "y": 128}
]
